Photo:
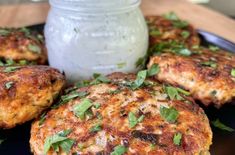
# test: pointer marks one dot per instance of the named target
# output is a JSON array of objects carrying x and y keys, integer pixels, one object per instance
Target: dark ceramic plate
[{"x": 17, "y": 139}]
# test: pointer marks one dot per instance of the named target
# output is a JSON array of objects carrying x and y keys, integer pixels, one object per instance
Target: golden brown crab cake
[
  {"x": 26, "y": 91},
  {"x": 168, "y": 31},
  {"x": 116, "y": 118},
  {"x": 170, "y": 28},
  {"x": 208, "y": 73},
  {"x": 22, "y": 46}
]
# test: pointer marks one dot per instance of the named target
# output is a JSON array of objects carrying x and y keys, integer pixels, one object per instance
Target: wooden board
[{"x": 201, "y": 17}]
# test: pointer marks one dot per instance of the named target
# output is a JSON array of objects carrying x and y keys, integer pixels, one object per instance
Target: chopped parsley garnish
[
  {"x": 175, "y": 20},
  {"x": 183, "y": 91},
  {"x": 96, "y": 128},
  {"x": 171, "y": 16},
  {"x": 213, "y": 93},
  {"x": 153, "y": 31},
  {"x": 80, "y": 146},
  {"x": 133, "y": 120},
  {"x": 97, "y": 105},
  {"x": 81, "y": 108},
  {"x": 34, "y": 48},
  {"x": 119, "y": 150},
  {"x": 222, "y": 126},
  {"x": 211, "y": 64},
  {"x": 213, "y": 48},
  {"x": 152, "y": 146},
  {"x": 98, "y": 78},
  {"x": 185, "y": 34},
  {"x": 169, "y": 114},
  {"x": 141, "y": 76},
  {"x": 59, "y": 140},
  {"x": 113, "y": 92},
  {"x": 233, "y": 72},
  {"x": 11, "y": 69},
  {"x": 153, "y": 70},
  {"x": 185, "y": 52},
  {"x": 68, "y": 97},
  {"x": 4, "y": 32},
  {"x": 42, "y": 118},
  {"x": 173, "y": 93},
  {"x": 8, "y": 85},
  {"x": 81, "y": 84},
  {"x": 121, "y": 65},
  {"x": 177, "y": 138},
  {"x": 25, "y": 30}
]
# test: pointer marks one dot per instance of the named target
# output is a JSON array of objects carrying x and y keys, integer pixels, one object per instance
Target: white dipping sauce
[{"x": 85, "y": 40}]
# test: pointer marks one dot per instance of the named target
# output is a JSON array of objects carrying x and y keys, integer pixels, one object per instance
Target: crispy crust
[
  {"x": 192, "y": 122},
  {"x": 207, "y": 84},
  {"x": 14, "y": 45},
  {"x": 32, "y": 90},
  {"x": 168, "y": 32}
]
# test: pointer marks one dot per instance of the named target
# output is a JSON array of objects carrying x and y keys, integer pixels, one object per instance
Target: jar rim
[{"x": 81, "y": 6}]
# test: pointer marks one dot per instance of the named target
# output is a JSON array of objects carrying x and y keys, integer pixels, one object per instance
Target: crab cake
[
  {"x": 170, "y": 28},
  {"x": 208, "y": 73},
  {"x": 123, "y": 114},
  {"x": 26, "y": 91},
  {"x": 168, "y": 31},
  {"x": 21, "y": 46}
]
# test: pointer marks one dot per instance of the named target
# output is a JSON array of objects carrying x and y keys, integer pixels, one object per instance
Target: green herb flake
[
  {"x": 23, "y": 62},
  {"x": 213, "y": 48},
  {"x": 153, "y": 70},
  {"x": 68, "y": 97},
  {"x": 34, "y": 48},
  {"x": 80, "y": 109},
  {"x": 11, "y": 69},
  {"x": 173, "y": 93},
  {"x": 98, "y": 78},
  {"x": 8, "y": 85},
  {"x": 59, "y": 140},
  {"x": 133, "y": 121},
  {"x": 185, "y": 34},
  {"x": 141, "y": 76},
  {"x": 153, "y": 31},
  {"x": 121, "y": 65},
  {"x": 10, "y": 62},
  {"x": 187, "y": 93},
  {"x": 177, "y": 138},
  {"x": 119, "y": 150},
  {"x": 169, "y": 114},
  {"x": 211, "y": 64},
  {"x": 42, "y": 118},
  {"x": 233, "y": 72},
  {"x": 221, "y": 126},
  {"x": 113, "y": 92},
  {"x": 97, "y": 105},
  {"x": 4, "y": 32},
  {"x": 96, "y": 128},
  {"x": 171, "y": 16},
  {"x": 80, "y": 146},
  {"x": 25, "y": 30},
  {"x": 185, "y": 52},
  {"x": 152, "y": 146},
  {"x": 180, "y": 24}
]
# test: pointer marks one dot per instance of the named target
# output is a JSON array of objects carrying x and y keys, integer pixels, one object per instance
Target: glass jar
[{"x": 103, "y": 36}]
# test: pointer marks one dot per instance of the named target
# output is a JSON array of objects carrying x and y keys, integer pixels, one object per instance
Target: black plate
[{"x": 17, "y": 139}]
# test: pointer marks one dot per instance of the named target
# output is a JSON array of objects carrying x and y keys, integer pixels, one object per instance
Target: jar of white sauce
[{"x": 95, "y": 36}]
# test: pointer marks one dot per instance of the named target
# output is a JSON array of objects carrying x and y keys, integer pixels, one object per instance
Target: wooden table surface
[{"x": 201, "y": 17}]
